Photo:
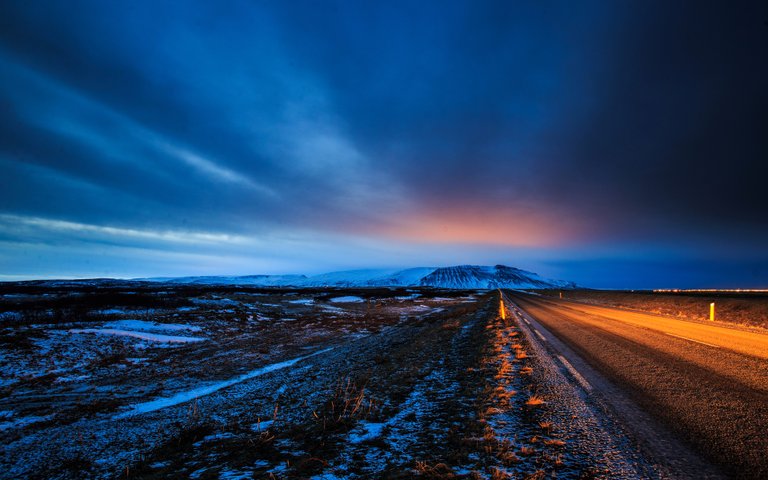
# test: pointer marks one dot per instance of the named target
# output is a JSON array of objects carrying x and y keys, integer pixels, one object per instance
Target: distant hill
[
  {"x": 499, "y": 276},
  {"x": 258, "y": 280},
  {"x": 457, "y": 277}
]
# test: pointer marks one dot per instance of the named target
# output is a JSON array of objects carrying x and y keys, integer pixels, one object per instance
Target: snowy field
[{"x": 223, "y": 382}]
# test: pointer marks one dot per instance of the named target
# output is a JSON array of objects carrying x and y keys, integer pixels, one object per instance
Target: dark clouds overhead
[{"x": 376, "y": 131}]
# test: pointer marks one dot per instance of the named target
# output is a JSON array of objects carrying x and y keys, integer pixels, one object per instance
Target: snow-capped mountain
[
  {"x": 255, "y": 280},
  {"x": 481, "y": 277},
  {"x": 458, "y": 277},
  {"x": 369, "y": 278}
]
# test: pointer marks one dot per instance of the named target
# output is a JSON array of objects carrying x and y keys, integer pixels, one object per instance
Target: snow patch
[
  {"x": 303, "y": 301},
  {"x": 347, "y": 299},
  {"x": 22, "y": 422},
  {"x": 152, "y": 337},
  {"x": 365, "y": 431},
  {"x": 183, "y": 397},
  {"x": 150, "y": 326},
  {"x": 234, "y": 475},
  {"x": 214, "y": 301}
]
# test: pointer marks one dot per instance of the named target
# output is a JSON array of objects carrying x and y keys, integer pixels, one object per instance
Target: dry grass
[
  {"x": 261, "y": 439},
  {"x": 504, "y": 350},
  {"x": 436, "y": 471},
  {"x": 499, "y": 474},
  {"x": 527, "y": 451},
  {"x": 553, "y": 442},
  {"x": 451, "y": 325},
  {"x": 345, "y": 407},
  {"x": 534, "y": 401},
  {"x": 547, "y": 426},
  {"x": 505, "y": 368},
  {"x": 509, "y": 458},
  {"x": 537, "y": 475},
  {"x": 489, "y": 412},
  {"x": 503, "y": 396}
]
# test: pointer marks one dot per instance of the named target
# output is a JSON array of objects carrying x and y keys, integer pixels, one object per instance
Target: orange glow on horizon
[{"x": 502, "y": 227}]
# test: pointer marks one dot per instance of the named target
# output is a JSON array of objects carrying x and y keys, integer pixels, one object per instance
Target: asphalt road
[{"x": 706, "y": 384}]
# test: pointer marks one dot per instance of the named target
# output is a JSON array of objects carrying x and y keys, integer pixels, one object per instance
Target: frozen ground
[{"x": 217, "y": 382}]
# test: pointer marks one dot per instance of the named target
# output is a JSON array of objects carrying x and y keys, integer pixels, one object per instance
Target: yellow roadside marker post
[{"x": 712, "y": 311}]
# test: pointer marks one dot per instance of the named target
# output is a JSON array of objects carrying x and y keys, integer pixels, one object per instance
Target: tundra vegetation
[{"x": 156, "y": 381}]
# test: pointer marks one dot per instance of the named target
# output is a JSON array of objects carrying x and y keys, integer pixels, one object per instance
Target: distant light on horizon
[{"x": 711, "y": 290}]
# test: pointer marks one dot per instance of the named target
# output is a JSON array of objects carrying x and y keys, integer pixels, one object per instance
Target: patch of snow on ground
[
  {"x": 10, "y": 316},
  {"x": 182, "y": 397},
  {"x": 417, "y": 308},
  {"x": 112, "y": 311},
  {"x": 71, "y": 378},
  {"x": 303, "y": 301},
  {"x": 214, "y": 437},
  {"x": 22, "y": 422},
  {"x": 454, "y": 299},
  {"x": 261, "y": 426},
  {"x": 214, "y": 301},
  {"x": 366, "y": 431},
  {"x": 332, "y": 309},
  {"x": 347, "y": 299},
  {"x": 153, "y": 337},
  {"x": 234, "y": 475},
  {"x": 198, "y": 473},
  {"x": 151, "y": 326},
  {"x": 327, "y": 476},
  {"x": 408, "y": 297}
]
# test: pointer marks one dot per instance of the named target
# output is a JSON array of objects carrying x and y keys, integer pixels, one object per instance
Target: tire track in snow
[{"x": 198, "y": 392}]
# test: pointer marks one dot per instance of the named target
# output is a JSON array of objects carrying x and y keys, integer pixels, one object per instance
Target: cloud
[{"x": 541, "y": 128}]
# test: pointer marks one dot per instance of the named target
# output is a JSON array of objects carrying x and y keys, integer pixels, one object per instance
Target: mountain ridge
[{"x": 458, "y": 277}]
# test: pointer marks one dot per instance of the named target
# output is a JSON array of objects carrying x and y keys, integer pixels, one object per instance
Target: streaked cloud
[{"x": 273, "y": 135}]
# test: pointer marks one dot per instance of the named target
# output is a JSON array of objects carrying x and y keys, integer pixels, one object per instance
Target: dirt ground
[{"x": 160, "y": 382}]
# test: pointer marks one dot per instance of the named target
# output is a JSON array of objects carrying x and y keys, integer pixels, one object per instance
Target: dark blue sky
[{"x": 616, "y": 144}]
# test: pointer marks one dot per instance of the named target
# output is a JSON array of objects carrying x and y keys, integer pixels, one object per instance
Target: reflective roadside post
[{"x": 712, "y": 311}]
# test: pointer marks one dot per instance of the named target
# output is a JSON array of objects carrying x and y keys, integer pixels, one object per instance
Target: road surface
[{"x": 706, "y": 384}]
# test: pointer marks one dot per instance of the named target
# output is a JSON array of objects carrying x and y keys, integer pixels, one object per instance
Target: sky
[{"x": 616, "y": 144}]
